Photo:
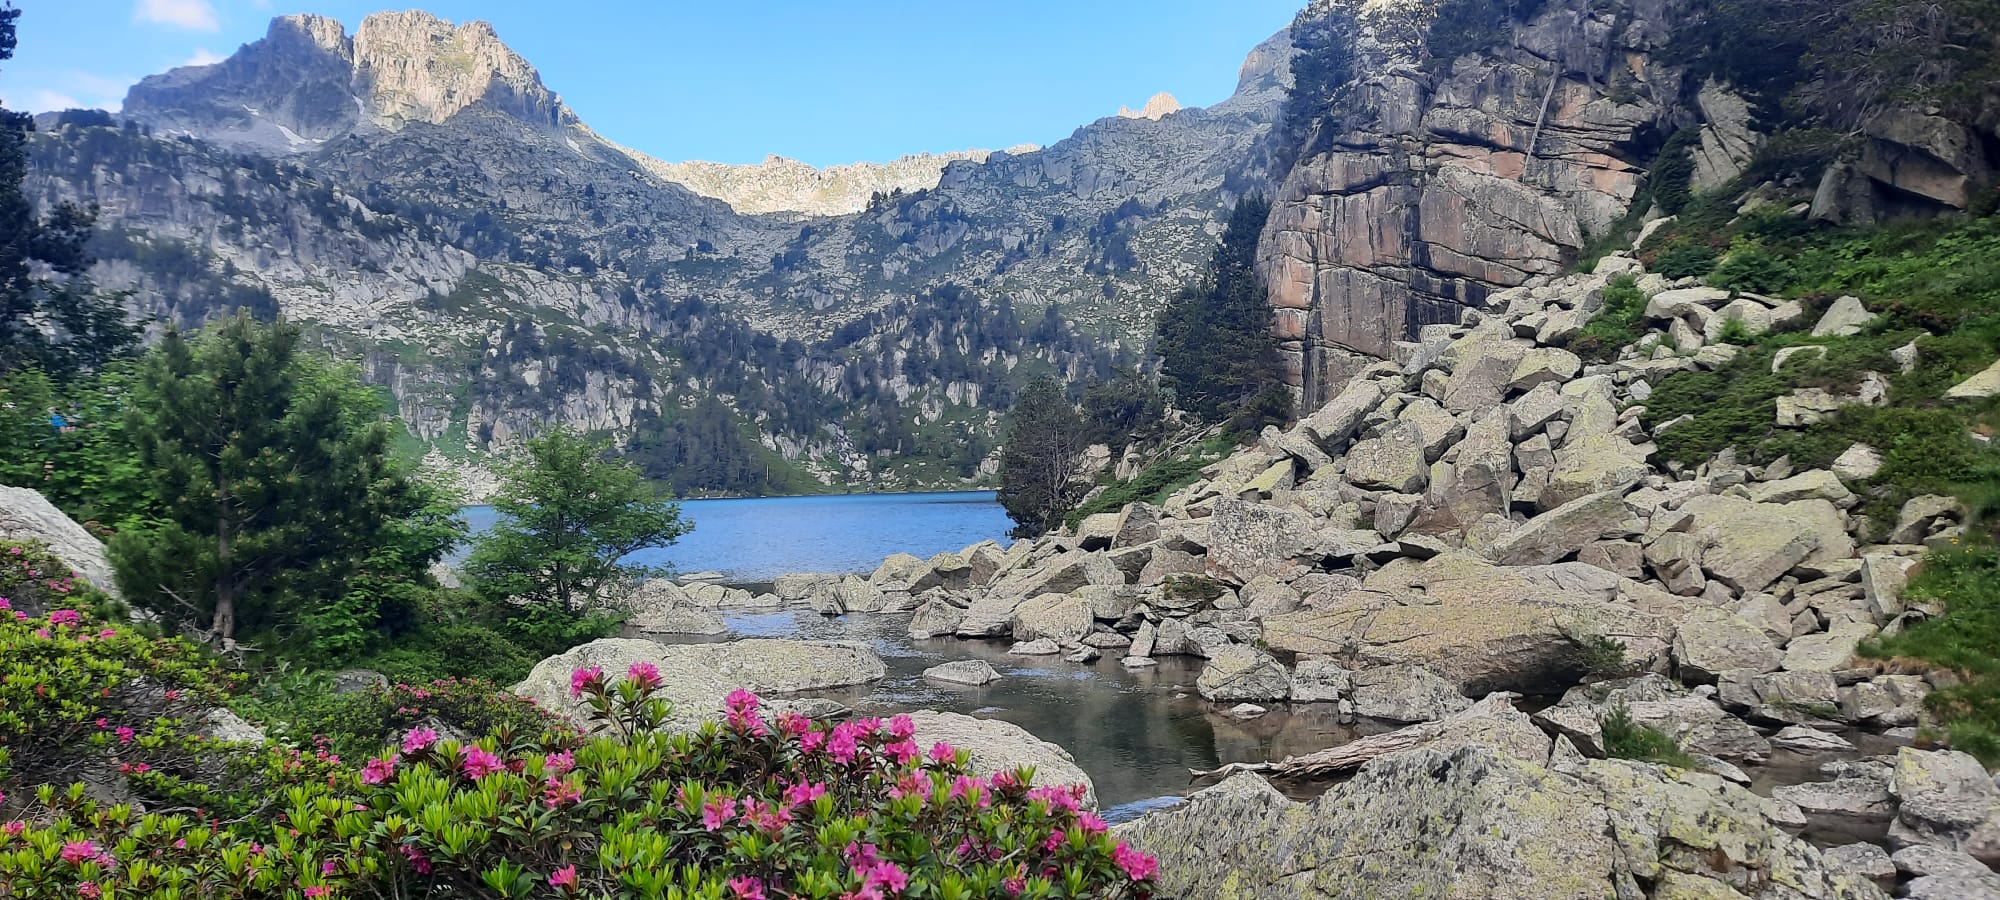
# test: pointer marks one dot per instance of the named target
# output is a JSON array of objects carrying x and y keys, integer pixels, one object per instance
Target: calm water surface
[
  {"x": 761, "y": 538},
  {"x": 1136, "y": 733}
]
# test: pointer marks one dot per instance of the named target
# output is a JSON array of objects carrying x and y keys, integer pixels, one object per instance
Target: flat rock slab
[
  {"x": 965, "y": 671},
  {"x": 696, "y": 677}
]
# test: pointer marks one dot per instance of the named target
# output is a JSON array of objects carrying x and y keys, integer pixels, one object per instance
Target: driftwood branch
[{"x": 1350, "y": 756}]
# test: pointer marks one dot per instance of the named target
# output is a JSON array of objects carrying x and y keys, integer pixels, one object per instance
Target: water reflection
[{"x": 1136, "y": 732}]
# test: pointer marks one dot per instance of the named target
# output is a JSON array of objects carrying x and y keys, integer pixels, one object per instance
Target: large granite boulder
[
  {"x": 659, "y": 606},
  {"x": 1476, "y": 823},
  {"x": 998, "y": 746},
  {"x": 1945, "y": 799},
  {"x": 1236, "y": 672},
  {"x": 1248, "y": 540},
  {"x": 696, "y": 677},
  {"x": 1483, "y": 627},
  {"x": 25, "y": 515}
]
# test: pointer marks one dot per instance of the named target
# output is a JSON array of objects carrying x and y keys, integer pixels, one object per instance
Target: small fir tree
[{"x": 1040, "y": 479}]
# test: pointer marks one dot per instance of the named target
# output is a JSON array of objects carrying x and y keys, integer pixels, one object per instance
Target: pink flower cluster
[
  {"x": 585, "y": 679},
  {"x": 743, "y": 715},
  {"x": 419, "y": 740},
  {"x": 480, "y": 762}
]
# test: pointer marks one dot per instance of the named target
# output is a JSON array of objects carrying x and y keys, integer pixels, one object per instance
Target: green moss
[{"x": 1156, "y": 482}]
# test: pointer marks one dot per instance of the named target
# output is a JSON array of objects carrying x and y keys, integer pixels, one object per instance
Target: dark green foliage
[
  {"x": 1467, "y": 26},
  {"x": 569, "y": 517},
  {"x": 1192, "y": 587},
  {"x": 1117, "y": 412},
  {"x": 44, "y": 267},
  {"x": 1602, "y": 657},
  {"x": 1039, "y": 459},
  {"x": 1750, "y": 267},
  {"x": 1966, "y": 640},
  {"x": 1322, "y": 71},
  {"x": 273, "y": 479},
  {"x": 1217, "y": 353},
  {"x": 1626, "y": 739},
  {"x": 1615, "y": 326},
  {"x": 703, "y": 449},
  {"x": 1685, "y": 259},
  {"x": 305, "y": 711},
  {"x": 91, "y": 470},
  {"x": 1673, "y": 172}
]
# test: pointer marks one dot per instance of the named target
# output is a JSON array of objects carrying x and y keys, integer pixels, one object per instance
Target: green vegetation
[
  {"x": 569, "y": 515},
  {"x": 1602, "y": 657},
  {"x": 755, "y": 808},
  {"x": 1218, "y": 358},
  {"x": 1039, "y": 472},
  {"x": 1155, "y": 483},
  {"x": 1966, "y": 640},
  {"x": 1626, "y": 739},
  {"x": 1616, "y": 326}
]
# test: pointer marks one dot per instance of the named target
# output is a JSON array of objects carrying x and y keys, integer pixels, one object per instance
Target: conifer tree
[
  {"x": 273, "y": 482},
  {"x": 1217, "y": 354},
  {"x": 51, "y": 316},
  {"x": 1040, "y": 479}
]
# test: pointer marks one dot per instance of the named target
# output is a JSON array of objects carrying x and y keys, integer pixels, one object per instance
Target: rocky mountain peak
[
  {"x": 420, "y": 68},
  {"x": 1158, "y": 107},
  {"x": 316, "y": 31}
]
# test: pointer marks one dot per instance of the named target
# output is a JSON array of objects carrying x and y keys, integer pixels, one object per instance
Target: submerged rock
[{"x": 965, "y": 671}]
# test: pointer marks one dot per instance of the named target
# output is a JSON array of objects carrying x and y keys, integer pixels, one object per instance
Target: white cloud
[
  {"x": 197, "y": 15},
  {"x": 50, "y": 101},
  {"x": 204, "y": 57}
]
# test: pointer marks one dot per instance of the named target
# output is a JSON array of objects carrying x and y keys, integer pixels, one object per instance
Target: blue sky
[{"x": 733, "y": 80}]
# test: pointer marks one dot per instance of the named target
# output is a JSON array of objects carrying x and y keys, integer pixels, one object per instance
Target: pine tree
[
  {"x": 570, "y": 514},
  {"x": 51, "y": 315},
  {"x": 1217, "y": 353},
  {"x": 274, "y": 484},
  {"x": 1040, "y": 478}
]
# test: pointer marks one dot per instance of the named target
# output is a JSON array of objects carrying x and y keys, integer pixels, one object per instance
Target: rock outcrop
[
  {"x": 1476, "y": 822},
  {"x": 998, "y": 746},
  {"x": 696, "y": 677},
  {"x": 25, "y": 515}
]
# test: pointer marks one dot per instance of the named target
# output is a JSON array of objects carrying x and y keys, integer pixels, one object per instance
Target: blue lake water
[{"x": 760, "y": 538}]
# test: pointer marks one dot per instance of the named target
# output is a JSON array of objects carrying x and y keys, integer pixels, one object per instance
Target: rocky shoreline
[{"x": 1483, "y": 513}]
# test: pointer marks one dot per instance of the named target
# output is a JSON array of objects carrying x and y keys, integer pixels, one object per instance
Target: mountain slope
[{"x": 418, "y": 194}]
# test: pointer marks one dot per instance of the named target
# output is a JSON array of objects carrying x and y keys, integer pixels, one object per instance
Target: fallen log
[{"x": 1350, "y": 756}]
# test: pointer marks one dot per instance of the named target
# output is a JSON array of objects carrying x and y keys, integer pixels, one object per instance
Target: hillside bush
[{"x": 757, "y": 808}]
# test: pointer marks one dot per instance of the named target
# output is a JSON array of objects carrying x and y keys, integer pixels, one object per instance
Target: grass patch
[
  {"x": 1614, "y": 327},
  {"x": 1155, "y": 483},
  {"x": 1626, "y": 739},
  {"x": 1963, "y": 640}
]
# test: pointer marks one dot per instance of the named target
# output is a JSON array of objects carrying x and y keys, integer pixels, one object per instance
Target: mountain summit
[{"x": 307, "y": 81}]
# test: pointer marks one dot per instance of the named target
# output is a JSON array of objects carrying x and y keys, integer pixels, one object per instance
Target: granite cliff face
[{"x": 1440, "y": 181}]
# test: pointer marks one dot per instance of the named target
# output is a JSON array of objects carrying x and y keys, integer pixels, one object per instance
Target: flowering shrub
[
  {"x": 77, "y": 694},
  {"x": 758, "y": 808},
  {"x": 33, "y": 580},
  {"x": 356, "y": 724}
]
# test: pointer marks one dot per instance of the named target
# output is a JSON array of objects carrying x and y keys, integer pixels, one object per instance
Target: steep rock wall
[{"x": 1437, "y": 182}]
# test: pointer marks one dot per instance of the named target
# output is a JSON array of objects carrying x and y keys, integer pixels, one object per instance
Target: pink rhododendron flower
[
  {"x": 378, "y": 770},
  {"x": 644, "y": 674},
  {"x": 903, "y": 752},
  {"x": 418, "y": 860},
  {"x": 811, "y": 742},
  {"x": 1139, "y": 866},
  {"x": 317, "y": 891},
  {"x": 1090, "y": 822},
  {"x": 556, "y": 792},
  {"x": 75, "y": 852},
  {"x": 717, "y": 812},
  {"x": 328, "y": 867},
  {"x": 801, "y": 794},
  {"x": 791, "y": 724},
  {"x": 902, "y": 728},
  {"x": 583, "y": 679},
  {"x": 559, "y": 763},
  {"x": 14, "y": 828},
  {"x": 480, "y": 762},
  {"x": 419, "y": 740},
  {"x": 564, "y": 877},
  {"x": 64, "y": 617},
  {"x": 841, "y": 745},
  {"x": 747, "y": 888},
  {"x": 125, "y": 735},
  {"x": 942, "y": 753},
  {"x": 88, "y": 890},
  {"x": 743, "y": 716},
  {"x": 1054, "y": 840}
]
